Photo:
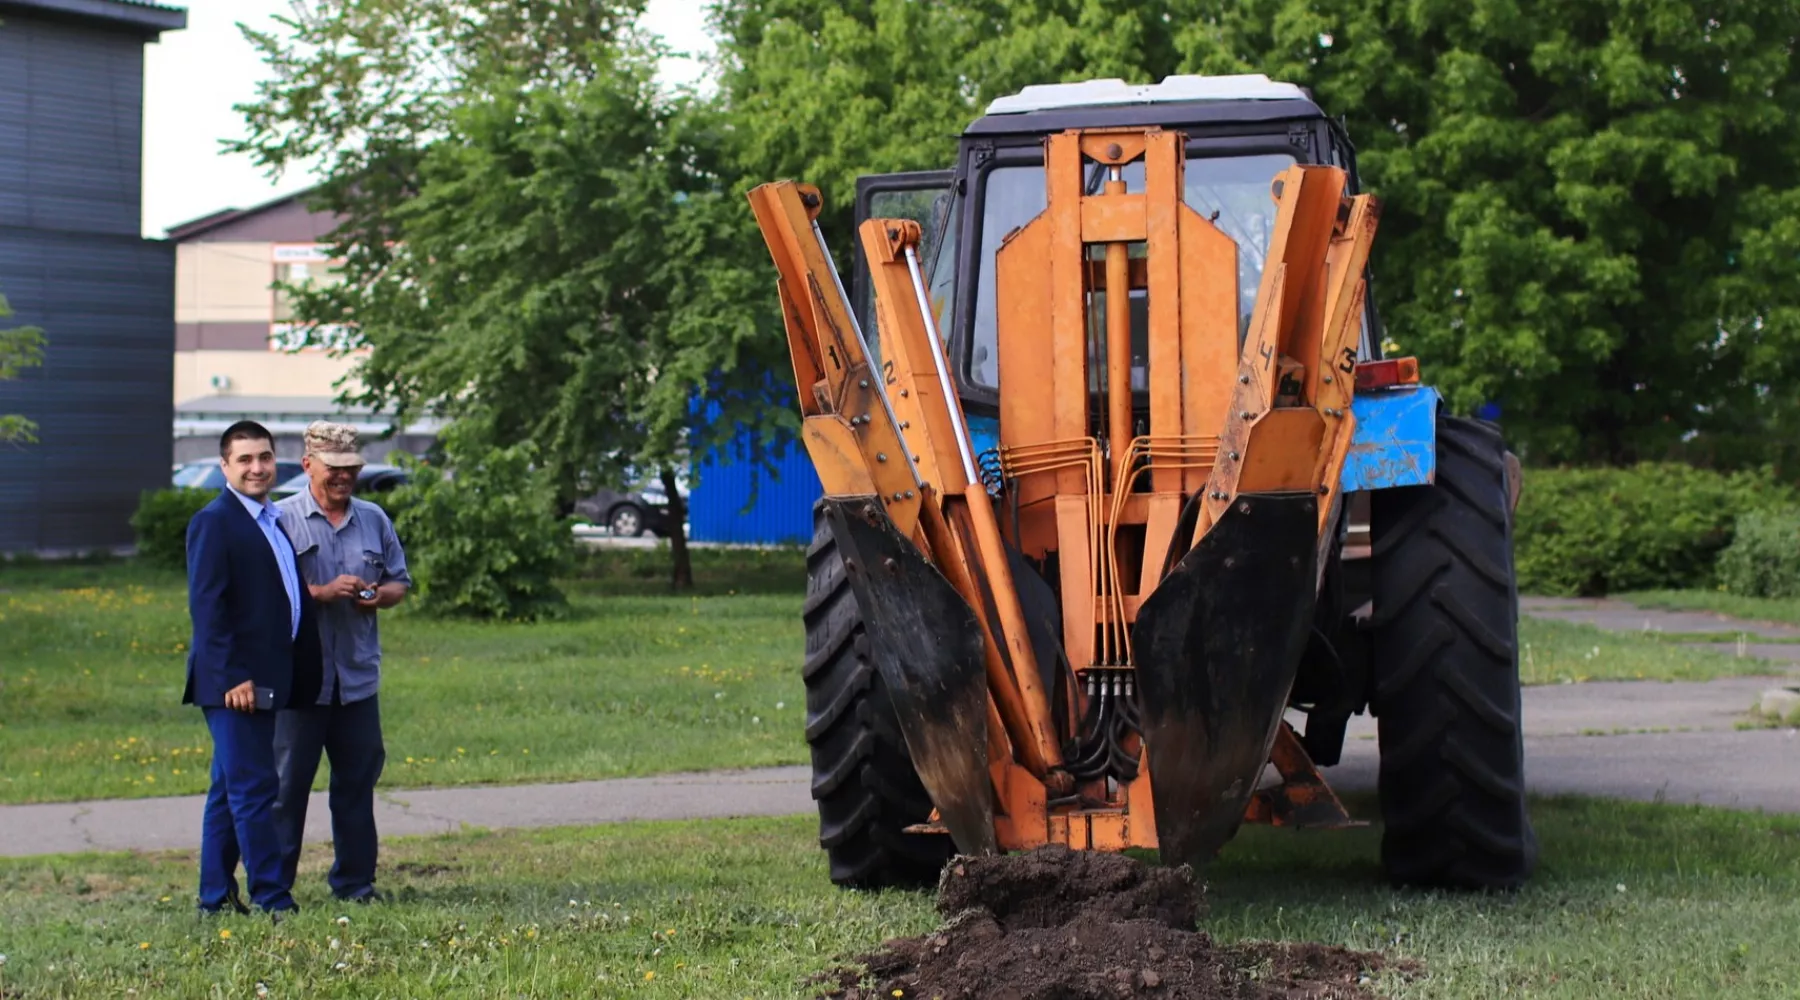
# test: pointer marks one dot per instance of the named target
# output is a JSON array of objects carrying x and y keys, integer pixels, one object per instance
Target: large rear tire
[
  {"x": 863, "y": 778},
  {"x": 1446, "y": 672}
]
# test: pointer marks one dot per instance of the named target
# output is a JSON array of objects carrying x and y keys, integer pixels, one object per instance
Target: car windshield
[
  {"x": 1236, "y": 188},
  {"x": 200, "y": 476}
]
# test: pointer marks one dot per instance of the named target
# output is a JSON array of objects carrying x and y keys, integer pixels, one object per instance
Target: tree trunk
[{"x": 681, "y": 575}]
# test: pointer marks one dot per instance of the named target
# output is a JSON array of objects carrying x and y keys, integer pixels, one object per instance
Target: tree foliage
[
  {"x": 1591, "y": 210},
  {"x": 538, "y": 241},
  {"x": 21, "y": 347},
  {"x": 484, "y": 542}
]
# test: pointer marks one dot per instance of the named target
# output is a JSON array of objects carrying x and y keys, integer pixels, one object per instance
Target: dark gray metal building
[{"x": 73, "y": 263}]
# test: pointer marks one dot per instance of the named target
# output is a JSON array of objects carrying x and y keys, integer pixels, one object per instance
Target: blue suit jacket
[{"x": 240, "y": 613}]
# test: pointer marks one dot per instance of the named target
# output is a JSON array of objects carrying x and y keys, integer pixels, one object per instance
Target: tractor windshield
[{"x": 1234, "y": 187}]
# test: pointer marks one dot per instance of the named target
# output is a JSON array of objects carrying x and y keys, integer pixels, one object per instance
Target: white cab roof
[{"x": 1173, "y": 89}]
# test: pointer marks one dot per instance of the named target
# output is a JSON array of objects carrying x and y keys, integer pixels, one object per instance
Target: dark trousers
[
  {"x": 350, "y": 737},
  {"x": 238, "y": 822}
]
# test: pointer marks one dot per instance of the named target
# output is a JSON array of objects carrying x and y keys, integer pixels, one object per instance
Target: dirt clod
[{"x": 1056, "y": 924}]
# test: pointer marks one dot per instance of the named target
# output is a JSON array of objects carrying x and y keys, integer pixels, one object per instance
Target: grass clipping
[{"x": 1057, "y": 924}]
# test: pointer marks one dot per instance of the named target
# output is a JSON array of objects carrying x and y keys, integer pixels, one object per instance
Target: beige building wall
[
  {"x": 259, "y": 373},
  {"x": 225, "y": 319},
  {"x": 224, "y": 283}
]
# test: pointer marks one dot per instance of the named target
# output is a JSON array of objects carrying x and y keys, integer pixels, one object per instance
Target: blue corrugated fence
[{"x": 740, "y": 503}]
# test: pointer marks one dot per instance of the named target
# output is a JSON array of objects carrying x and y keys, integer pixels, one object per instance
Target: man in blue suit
[{"x": 255, "y": 651}]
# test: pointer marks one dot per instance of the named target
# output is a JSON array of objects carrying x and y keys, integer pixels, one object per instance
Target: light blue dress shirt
[{"x": 268, "y": 519}]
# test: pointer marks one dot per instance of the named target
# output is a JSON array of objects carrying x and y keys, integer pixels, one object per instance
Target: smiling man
[
  {"x": 352, "y": 564},
  {"x": 255, "y": 647}
]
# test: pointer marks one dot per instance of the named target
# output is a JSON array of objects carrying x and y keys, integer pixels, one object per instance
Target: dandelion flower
[
  {"x": 343, "y": 921},
  {"x": 649, "y": 976},
  {"x": 143, "y": 946},
  {"x": 225, "y": 935}
]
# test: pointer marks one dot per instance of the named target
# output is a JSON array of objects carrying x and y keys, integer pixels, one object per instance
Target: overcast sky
[{"x": 193, "y": 77}]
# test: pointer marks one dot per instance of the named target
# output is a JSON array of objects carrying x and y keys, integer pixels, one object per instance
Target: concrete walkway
[
  {"x": 1619, "y": 616},
  {"x": 160, "y": 824},
  {"x": 1674, "y": 742}
]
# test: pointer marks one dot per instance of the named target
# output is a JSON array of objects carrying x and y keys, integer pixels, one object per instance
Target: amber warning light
[{"x": 1387, "y": 373}]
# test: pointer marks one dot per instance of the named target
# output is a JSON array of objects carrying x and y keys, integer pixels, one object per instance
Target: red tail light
[{"x": 1387, "y": 373}]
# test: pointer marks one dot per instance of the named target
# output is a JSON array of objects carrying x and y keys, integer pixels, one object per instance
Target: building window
[{"x": 300, "y": 273}]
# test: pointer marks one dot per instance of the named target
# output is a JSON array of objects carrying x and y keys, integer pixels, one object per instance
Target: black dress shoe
[
  {"x": 234, "y": 903},
  {"x": 365, "y": 898}
]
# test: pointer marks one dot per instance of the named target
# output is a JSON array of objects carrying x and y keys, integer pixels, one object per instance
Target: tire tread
[{"x": 1446, "y": 686}]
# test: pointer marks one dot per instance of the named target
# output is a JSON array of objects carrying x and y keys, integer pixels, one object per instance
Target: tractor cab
[{"x": 1242, "y": 132}]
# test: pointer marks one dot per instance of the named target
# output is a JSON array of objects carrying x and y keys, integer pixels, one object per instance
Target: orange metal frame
[{"x": 1099, "y": 482}]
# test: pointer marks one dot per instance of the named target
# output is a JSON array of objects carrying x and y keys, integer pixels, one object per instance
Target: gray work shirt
[{"x": 363, "y": 545}]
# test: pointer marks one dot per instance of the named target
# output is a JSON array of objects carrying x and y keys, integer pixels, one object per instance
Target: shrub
[
  {"x": 486, "y": 542},
  {"x": 161, "y": 521},
  {"x": 1763, "y": 559},
  {"x": 1654, "y": 525}
]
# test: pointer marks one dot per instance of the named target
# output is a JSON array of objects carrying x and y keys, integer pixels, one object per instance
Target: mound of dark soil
[{"x": 1056, "y": 924}]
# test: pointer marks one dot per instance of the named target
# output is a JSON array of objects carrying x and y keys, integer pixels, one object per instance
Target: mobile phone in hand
[
  {"x": 367, "y": 593},
  {"x": 265, "y": 699}
]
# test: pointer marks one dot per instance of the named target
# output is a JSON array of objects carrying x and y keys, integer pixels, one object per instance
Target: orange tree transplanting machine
[{"x": 1117, "y": 483}]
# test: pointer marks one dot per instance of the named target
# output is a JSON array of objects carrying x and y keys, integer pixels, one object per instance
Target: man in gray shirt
[{"x": 353, "y": 565}]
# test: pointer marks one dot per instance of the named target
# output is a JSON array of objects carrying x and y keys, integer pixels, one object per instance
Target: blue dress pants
[
  {"x": 238, "y": 822},
  {"x": 350, "y": 737}
]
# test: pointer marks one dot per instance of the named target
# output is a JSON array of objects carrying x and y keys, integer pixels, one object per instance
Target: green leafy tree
[
  {"x": 825, "y": 91},
  {"x": 1589, "y": 208},
  {"x": 543, "y": 240},
  {"x": 484, "y": 540},
  {"x": 20, "y": 347}
]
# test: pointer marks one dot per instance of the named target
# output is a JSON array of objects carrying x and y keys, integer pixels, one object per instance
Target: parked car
[
  {"x": 372, "y": 479},
  {"x": 628, "y": 513},
  {"x": 206, "y": 474}
]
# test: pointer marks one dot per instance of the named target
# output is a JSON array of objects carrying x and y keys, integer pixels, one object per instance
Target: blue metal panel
[
  {"x": 71, "y": 95},
  {"x": 738, "y": 503},
  {"x": 984, "y": 434},
  {"x": 1395, "y": 443},
  {"x": 101, "y": 399}
]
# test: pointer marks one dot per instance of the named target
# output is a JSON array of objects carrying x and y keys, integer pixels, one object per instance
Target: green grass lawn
[
  {"x": 1783, "y": 611},
  {"x": 92, "y": 661},
  {"x": 635, "y": 681},
  {"x": 1632, "y": 900},
  {"x": 1556, "y": 652}
]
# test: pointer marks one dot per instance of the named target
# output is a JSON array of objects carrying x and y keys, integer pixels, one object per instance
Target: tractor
[{"x": 1125, "y": 513}]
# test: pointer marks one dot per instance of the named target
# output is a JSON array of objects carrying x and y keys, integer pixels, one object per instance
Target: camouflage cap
[{"x": 333, "y": 444}]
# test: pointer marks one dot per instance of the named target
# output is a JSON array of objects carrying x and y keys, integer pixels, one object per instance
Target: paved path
[
  {"x": 1674, "y": 742},
  {"x": 1691, "y": 753},
  {"x": 158, "y": 824},
  {"x": 1618, "y": 616}
]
